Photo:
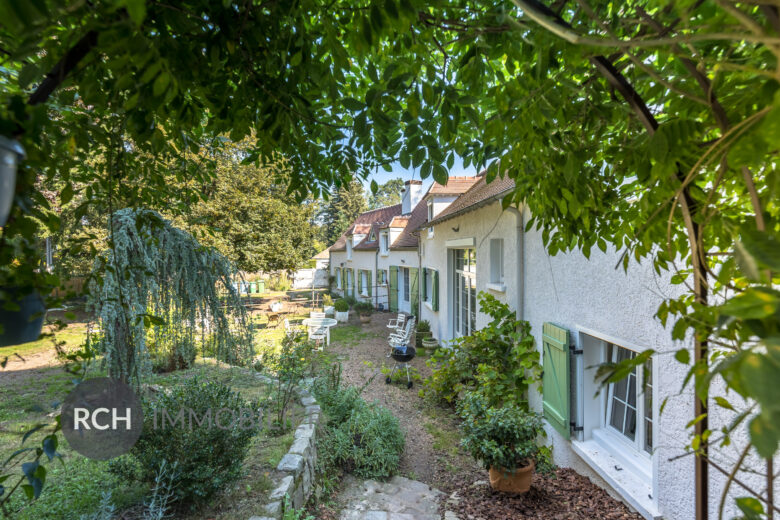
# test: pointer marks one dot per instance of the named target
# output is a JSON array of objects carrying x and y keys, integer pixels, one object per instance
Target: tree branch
[{"x": 57, "y": 75}]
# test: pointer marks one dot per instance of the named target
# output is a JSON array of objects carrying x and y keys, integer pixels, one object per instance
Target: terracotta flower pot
[
  {"x": 365, "y": 318},
  {"x": 518, "y": 481}
]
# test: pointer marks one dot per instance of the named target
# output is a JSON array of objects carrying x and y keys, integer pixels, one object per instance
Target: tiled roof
[
  {"x": 367, "y": 243},
  {"x": 455, "y": 186},
  {"x": 408, "y": 237},
  {"x": 479, "y": 194},
  {"x": 397, "y": 222},
  {"x": 366, "y": 221},
  {"x": 322, "y": 255}
]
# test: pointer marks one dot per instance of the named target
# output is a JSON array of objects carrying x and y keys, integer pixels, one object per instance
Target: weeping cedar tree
[
  {"x": 154, "y": 289},
  {"x": 646, "y": 125}
]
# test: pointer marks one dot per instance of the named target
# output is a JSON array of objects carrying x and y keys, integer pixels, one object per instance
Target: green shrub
[
  {"x": 206, "y": 457},
  {"x": 361, "y": 438},
  {"x": 279, "y": 282},
  {"x": 327, "y": 300},
  {"x": 499, "y": 360},
  {"x": 504, "y": 437},
  {"x": 341, "y": 305},
  {"x": 351, "y": 300},
  {"x": 289, "y": 365},
  {"x": 363, "y": 308},
  {"x": 424, "y": 326},
  {"x": 368, "y": 444}
]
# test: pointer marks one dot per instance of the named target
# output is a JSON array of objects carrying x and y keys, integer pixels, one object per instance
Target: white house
[
  {"x": 377, "y": 258},
  {"x": 582, "y": 312},
  {"x": 353, "y": 258}
]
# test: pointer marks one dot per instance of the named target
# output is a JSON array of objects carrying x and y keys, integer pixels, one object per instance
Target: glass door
[{"x": 465, "y": 292}]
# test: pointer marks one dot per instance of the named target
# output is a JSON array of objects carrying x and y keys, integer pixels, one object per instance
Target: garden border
[{"x": 300, "y": 462}]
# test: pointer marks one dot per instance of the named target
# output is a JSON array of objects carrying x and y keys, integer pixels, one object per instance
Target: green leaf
[
  {"x": 352, "y": 104},
  {"x": 754, "y": 303},
  {"x": 683, "y": 356},
  {"x": 161, "y": 84},
  {"x": 761, "y": 246},
  {"x": 723, "y": 403},
  {"x": 751, "y": 508},
  {"x": 137, "y": 11},
  {"x": 764, "y": 436},
  {"x": 296, "y": 59},
  {"x": 66, "y": 195}
]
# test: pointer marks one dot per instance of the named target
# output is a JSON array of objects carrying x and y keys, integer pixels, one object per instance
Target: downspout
[
  {"x": 375, "y": 280},
  {"x": 520, "y": 264}
]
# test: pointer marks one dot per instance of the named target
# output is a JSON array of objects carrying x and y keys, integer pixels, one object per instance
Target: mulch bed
[{"x": 567, "y": 496}]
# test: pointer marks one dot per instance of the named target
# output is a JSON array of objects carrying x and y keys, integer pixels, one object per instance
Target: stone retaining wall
[{"x": 297, "y": 467}]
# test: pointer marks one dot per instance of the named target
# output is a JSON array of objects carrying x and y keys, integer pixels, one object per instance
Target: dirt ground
[{"x": 432, "y": 454}]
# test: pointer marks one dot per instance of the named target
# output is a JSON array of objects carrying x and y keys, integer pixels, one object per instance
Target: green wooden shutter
[
  {"x": 426, "y": 274},
  {"x": 360, "y": 281},
  {"x": 368, "y": 280},
  {"x": 555, "y": 381},
  {"x": 343, "y": 279},
  {"x": 354, "y": 284},
  {"x": 414, "y": 294},
  {"x": 435, "y": 290},
  {"x": 392, "y": 290}
]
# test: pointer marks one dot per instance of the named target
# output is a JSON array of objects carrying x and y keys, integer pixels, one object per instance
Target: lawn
[{"x": 74, "y": 487}]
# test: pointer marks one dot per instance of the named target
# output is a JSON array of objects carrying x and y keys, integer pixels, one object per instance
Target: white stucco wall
[
  {"x": 397, "y": 257},
  {"x": 480, "y": 225}
]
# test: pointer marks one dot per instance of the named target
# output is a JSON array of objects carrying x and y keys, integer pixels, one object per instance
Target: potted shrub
[
  {"x": 364, "y": 310},
  {"x": 430, "y": 344},
  {"x": 342, "y": 310},
  {"x": 423, "y": 333},
  {"x": 327, "y": 305},
  {"x": 504, "y": 440}
]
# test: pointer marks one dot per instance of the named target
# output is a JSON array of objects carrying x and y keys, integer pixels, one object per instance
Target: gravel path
[{"x": 363, "y": 360}]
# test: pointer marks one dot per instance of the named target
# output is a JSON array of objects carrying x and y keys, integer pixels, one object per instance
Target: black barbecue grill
[{"x": 402, "y": 362}]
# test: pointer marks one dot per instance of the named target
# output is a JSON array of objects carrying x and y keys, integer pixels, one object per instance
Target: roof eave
[{"x": 465, "y": 210}]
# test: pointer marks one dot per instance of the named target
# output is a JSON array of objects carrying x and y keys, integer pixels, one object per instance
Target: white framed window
[
  {"x": 349, "y": 248},
  {"x": 428, "y": 281},
  {"x": 372, "y": 237},
  {"x": 384, "y": 243},
  {"x": 364, "y": 283},
  {"x": 629, "y": 406},
  {"x": 338, "y": 279},
  {"x": 496, "y": 260},
  {"x": 430, "y": 218}
]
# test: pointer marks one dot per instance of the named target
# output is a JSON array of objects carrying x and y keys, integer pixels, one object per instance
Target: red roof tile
[
  {"x": 455, "y": 186},
  {"x": 479, "y": 194},
  {"x": 366, "y": 221},
  {"x": 408, "y": 237}
]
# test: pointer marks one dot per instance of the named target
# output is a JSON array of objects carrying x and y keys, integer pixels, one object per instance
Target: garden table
[{"x": 318, "y": 323}]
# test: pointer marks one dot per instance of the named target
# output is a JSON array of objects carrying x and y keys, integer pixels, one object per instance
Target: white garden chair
[
  {"x": 397, "y": 323},
  {"x": 317, "y": 315},
  {"x": 405, "y": 336}
]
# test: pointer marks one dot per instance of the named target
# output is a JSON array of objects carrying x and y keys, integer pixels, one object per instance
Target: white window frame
[
  {"x": 349, "y": 248},
  {"x": 630, "y": 453},
  {"x": 496, "y": 282},
  {"x": 469, "y": 274},
  {"x": 430, "y": 218},
  {"x": 384, "y": 243},
  {"x": 364, "y": 282},
  {"x": 338, "y": 279}
]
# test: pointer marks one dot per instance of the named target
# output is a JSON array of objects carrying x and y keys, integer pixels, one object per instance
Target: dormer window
[
  {"x": 384, "y": 243},
  {"x": 372, "y": 237},
  {"x": 430, "y": 211},
  {"x": 349, "y": 248}
]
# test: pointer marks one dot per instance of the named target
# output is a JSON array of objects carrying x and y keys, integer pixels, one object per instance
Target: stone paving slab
[{"x": 397, "y": 499}]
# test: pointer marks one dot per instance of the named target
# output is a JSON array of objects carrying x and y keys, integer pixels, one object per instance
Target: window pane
[
  {"x": 648, "y": 435},
  {"x": 618, "y": 413},
  {"x": 632, "y": 390},
  {"x": 630, "y": 427},
  {"x": 647, "y": 392},
  {"x": 472, "y": 305}
]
